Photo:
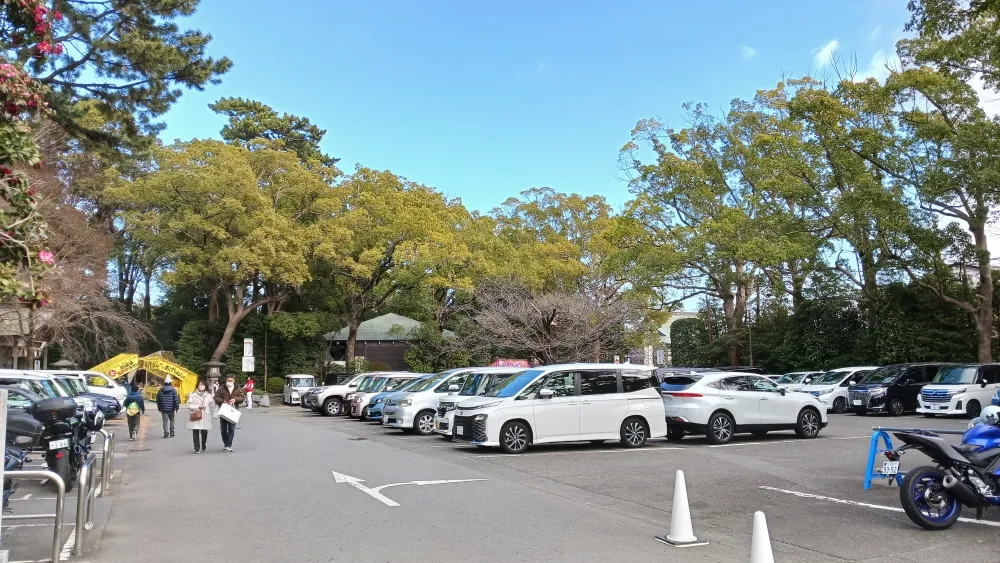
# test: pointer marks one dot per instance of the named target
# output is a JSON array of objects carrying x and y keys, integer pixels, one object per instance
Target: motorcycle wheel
[
  {"x": 60, "y": 466},
  {"x": 918, "y": 483}
]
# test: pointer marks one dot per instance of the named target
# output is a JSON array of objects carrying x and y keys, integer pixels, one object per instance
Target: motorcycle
[
  {"x": 964, "y": 475},
  {"x": 66, "y": 438},
  {"x": 22, "y": 432}
]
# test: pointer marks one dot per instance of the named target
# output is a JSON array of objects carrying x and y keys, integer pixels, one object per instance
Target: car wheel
[
  {"x": 423, "y": 423},
  {"x": 675, "y": 434},
  {"x": 896, "y": 407},
  {"x": 514, "y": 437},
  {"x": 973, "y": 410},
  {"x": 720, "y": 428},
  {"x": 332, "y": 407},
  {"x": 840, "y": 405},
  {"x": 634, "y": 432},
  {"x": 808, "y": 424}
]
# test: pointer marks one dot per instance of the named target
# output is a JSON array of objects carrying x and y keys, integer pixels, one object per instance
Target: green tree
[
  {"x": 129, "y": 57},
  {"x": 687, "y": 343},
  {"x": 229, "y": 217},
  {"x": 962, "y": 36}
]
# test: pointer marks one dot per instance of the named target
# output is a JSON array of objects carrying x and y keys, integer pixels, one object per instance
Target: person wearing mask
[
  {"x": 248, "y": 389},
  {"x": 168, "y": 403},
  {"x": 233, "y": 396},
  {"x": 135, "y": 407},
  {"x": 200, "y": 419}
]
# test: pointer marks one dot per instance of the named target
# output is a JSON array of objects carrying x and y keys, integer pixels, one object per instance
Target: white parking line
[
  {"x": 796, "y": 441},
  {"x": 580, "y": 452},
  {"x": 868, "y": 505},
  {"x": 67, "y": 548},
  {"x": 11, "y": 526}
]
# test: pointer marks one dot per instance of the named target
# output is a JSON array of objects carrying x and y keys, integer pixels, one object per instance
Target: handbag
[
  {"x": 195, "y": 415},
  {"x": 229, "y": 413}
]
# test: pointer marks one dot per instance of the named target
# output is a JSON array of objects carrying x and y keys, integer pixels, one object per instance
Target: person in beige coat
[{"x": 200, "y": 420}]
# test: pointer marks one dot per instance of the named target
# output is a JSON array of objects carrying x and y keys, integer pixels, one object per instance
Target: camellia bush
[{"x": 23, "y": 234}]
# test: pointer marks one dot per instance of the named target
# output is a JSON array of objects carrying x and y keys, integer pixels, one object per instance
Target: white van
[
  {"x": 99, "y": 383},
  {"x": 414, "y": 409},
  {"x": 960, "y": 389},
  {"x": 566, "y": 403},
  {"x": 831, "y": 387},
  {"x": 478, "y": 383},
  {"x": 296, "y": 385}
]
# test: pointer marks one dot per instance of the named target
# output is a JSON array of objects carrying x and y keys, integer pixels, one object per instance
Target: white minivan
[
  {"x": 479, "y": 382},
  {"x": 831, "y": 387},
  {"x": 99, "y": 383},
  {"x": 960, "y": 389},
  {"x": 566, "y": 403}
]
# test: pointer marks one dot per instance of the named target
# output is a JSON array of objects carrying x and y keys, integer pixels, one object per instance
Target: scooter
[
  {"x": 964, "y": 475},
  {"x": 66, "y": 438},
  {"x": 22, "y": 432}
]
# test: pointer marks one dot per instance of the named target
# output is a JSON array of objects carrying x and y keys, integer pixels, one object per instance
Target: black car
[
  {"x": 891, "y": 389},
  {"x": 76, "y": 388},
  {"x": 19, "y": 398}
]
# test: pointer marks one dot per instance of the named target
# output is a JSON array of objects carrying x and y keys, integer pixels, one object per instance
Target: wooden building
[{"x": 382, "y": 339}]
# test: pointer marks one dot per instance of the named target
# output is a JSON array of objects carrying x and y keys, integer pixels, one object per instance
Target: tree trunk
[
  {"x": 227, "y": 336},
  {"x": 213, "y": 305},
  {"x": 984, "y": 314},
  {"x": 147, "y": 312},
  {"x": 352, "y": 338}
]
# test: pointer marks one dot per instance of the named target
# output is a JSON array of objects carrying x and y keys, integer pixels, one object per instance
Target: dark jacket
[
  {"x": 135, "y": 397},
  {"x": 223, "y": 395},
  {"x": 167, "y": 399}
]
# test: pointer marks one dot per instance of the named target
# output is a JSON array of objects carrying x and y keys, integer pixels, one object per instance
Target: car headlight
[
  {"x": 379, "y": 400},
  {"x": 959, "y": 391},
  {"x": 878, "y": 391},
  {"x": 480, "y": 417},
  {"x": 406, "y": 401},
  {"x": 484, "y": 406},
  {"x": 295, "y": 394},
  {"x": 825, "y": 391}
]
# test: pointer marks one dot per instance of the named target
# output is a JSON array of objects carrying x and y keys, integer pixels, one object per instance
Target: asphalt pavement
[{"x": 301, "y": 487}]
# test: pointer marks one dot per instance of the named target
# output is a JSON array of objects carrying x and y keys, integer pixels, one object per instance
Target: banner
[{"x": 510, "y": 364}]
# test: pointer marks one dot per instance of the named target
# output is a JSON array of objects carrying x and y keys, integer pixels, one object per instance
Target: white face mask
[{"x": 230, "y": 385}]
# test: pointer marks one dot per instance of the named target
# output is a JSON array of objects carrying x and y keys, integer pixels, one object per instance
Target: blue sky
[{"x": 485, "y": 100}]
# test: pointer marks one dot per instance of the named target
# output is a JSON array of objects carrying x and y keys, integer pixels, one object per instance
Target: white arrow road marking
[
  {"x": 375, "y": 494},
  {"x": 867, "y": 505}
]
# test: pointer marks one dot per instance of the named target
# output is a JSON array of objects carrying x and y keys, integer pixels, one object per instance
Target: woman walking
[
  {"x": 135, "y": 407},
  {"x": 200, "y": 419}
]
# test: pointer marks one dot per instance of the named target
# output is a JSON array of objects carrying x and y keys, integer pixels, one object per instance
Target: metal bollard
[
  {"x": 107, "y": 458},
  {"x": 60, "y": 501},
  {"x": 84, "y": 503}
]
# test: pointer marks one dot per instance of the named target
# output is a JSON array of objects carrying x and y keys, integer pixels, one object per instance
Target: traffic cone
[
  {"x": 760, "y": 544},
  {"x": 681, "y": 532}
]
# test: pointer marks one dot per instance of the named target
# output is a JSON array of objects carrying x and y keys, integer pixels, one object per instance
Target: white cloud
[
  {"x": 822, "y": 56},
  {"x": 875, "y": 33},
  {"x": 879, "y": 66},
  {"x": 747, "y": 52}
]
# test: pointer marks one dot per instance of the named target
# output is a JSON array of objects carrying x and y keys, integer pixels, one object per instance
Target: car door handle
[
  {"x": 728, "y": 398},
  {"x": 584, "y": 403},
  {"x": 572, "y": 403},
  {"x": 763, "y": 398}
]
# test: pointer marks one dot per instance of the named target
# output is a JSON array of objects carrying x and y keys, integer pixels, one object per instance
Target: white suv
[
  {"x": 375, "y": 385},
  {"x": 477, "y": 383},
  {"x": 414, "y": 410},
  {"x": 566, "y": 403},
  {"x": 98, "y": 383},
  {"x": 961, "y": 389},
  {"x": 329, "y": 400},
  {"x": 831, "y": 387}
]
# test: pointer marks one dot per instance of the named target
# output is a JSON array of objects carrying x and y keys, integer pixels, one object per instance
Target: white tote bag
[{"x": 229, "y": 413}]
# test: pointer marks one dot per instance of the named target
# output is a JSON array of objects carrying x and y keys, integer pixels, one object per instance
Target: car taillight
[{"x": 683, "y": 394}]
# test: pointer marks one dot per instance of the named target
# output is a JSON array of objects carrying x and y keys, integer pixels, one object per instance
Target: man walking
[
  {"x": 168, "y": 403},
  {"x": 248, "y": 389},
  {"x": 233, "y": 396}
]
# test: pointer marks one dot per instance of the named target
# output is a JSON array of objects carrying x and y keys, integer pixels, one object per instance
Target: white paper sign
[
  {"x": 659, "y": 357},
  {"x": 247, "y": 347},
  {"x": 248, "y": 364}
]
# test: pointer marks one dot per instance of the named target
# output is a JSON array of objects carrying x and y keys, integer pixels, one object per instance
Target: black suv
[{"x": 893, "y": 389}]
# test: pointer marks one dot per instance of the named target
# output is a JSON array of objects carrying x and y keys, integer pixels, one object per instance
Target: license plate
[
  {"x": 59, "y": 444},
  {"x": 890, "y": 468},
  {"x": 856, "y": 402},
  {"x": 459, "y": 430}
]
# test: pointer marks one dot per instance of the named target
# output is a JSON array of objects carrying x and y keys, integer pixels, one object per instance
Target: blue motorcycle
[{"x": 965, "y": 475}]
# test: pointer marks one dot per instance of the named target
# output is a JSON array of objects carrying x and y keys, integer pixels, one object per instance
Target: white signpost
[
  {"x": 247, "y": 347},
  {"x": 248, "y": 364},
  {"x": 659, "y": 358}
]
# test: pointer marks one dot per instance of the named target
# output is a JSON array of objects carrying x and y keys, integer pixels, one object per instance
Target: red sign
[{"x": 510, "y": 364}]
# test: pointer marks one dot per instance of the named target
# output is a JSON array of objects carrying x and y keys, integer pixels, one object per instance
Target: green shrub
[{"x": 275, "y": 385}]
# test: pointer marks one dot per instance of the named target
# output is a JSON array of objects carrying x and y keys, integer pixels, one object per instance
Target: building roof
[
  {"x": 14, "y": 321},
  {"x": 387, "y": 328}
]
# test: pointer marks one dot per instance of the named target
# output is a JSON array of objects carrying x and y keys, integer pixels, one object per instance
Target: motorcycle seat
[
  {"x": 966, "y": 448},
  {"x": 984, "y": 459}
]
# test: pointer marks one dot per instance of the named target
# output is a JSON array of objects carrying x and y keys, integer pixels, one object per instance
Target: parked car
[
  {"x": 44, "y": 385},
  {"x": 478, "y": 383},
  {"x": 565, "y": 403},
  {"x": 723, "y": 404},
  {"x": 377, "y": 403},
  {"x": 362, "y": 400},
  {"x": 893, "y": 389},
  {"x": 330, "y": 400},
  {"x": 19, "y": 399},
  {"x": 98, "y": 383},
  {"x": 77, "y": 386},
  {"x": 960, "y": 389},
  {"x": 295, "y": 385},
  {"x": 414, "y": 410},
  {"x": 796, "y": 380},
  {"x": 831, "y": 387},
  {"x": 742, "y": 369}
]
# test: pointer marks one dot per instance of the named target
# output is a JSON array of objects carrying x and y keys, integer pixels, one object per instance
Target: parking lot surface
[{"x": 328, "y": 489}]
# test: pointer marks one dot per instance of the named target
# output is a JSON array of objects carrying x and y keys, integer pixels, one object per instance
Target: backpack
[{"x": 133, "y": 409}]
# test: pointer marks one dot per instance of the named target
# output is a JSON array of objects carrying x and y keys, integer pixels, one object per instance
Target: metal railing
[
  {"x": 107, "y": 458},
  {"x": 85, "y": 495},
  {"x": 39, "y": 475},
  {"x": 894, "y": 429}
]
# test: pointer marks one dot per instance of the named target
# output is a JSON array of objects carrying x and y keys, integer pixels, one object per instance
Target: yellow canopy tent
[{"x": 183, "y": 379}]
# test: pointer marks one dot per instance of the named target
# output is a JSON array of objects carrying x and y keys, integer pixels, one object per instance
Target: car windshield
[
  {"x": 430, "y": 382},
  {"x": 301, "y": 382},
  {"x": 956, "y": 375},
  {"x": 476, "y": 383},
  {"x": 379, "y": 385},
  {"x": 886, "y": 374},
  {"x": 368, "y": 383},
  {"x": 78, "y": 385},
  {"x": 406, "y": 385},
  {"x": 514, "y": 383},
  {"x": 791, "y": 378},
  {"x": 830, "y": 378},
  {"x": 67, "y": 388}
]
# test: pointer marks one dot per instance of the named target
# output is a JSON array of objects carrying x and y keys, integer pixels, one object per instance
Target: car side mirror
[
  {"x": 782, "y": 391},
  {"x": 545, "y": 394},
  {"x": 452, "y": 388},
  {"x": 352, "y": 385},
  {"x": 389, "y": 388},
  {"x": 852, "y": 382},
  {"x": 807, "y": 380}
]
